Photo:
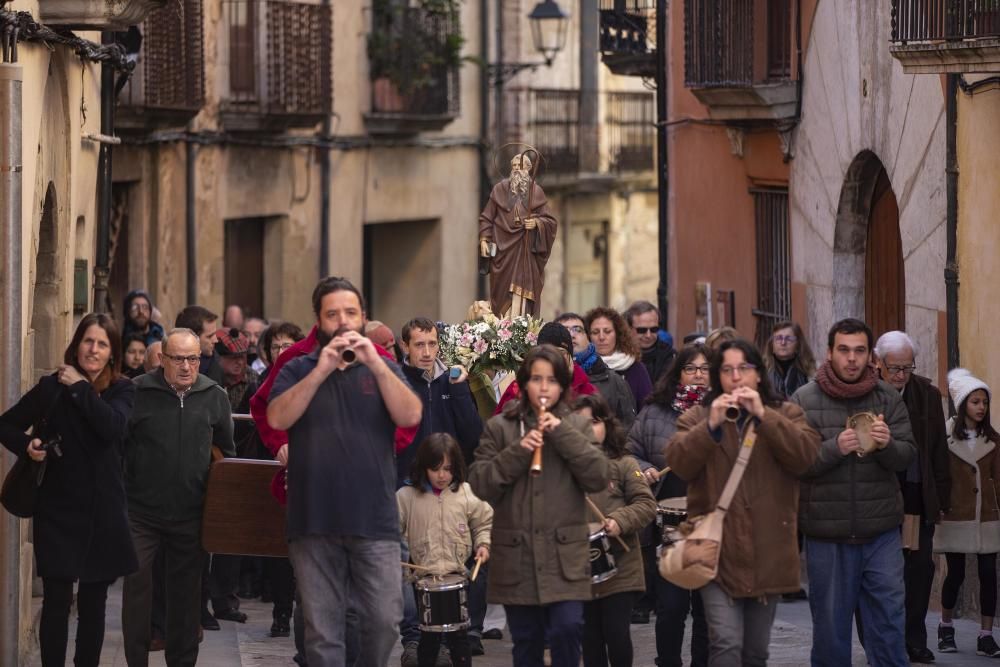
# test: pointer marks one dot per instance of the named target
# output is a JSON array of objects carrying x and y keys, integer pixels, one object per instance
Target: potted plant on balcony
[{"x": 411, "y": 50}]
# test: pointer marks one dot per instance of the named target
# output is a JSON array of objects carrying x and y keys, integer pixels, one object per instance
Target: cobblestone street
[{"x": 249, "y": 645}]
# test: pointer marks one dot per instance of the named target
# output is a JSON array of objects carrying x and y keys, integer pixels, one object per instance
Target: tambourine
[{"x": 862, "y": 425}]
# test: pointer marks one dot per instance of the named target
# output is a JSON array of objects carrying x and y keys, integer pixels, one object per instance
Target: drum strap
[{"x": 749, "y": 439}]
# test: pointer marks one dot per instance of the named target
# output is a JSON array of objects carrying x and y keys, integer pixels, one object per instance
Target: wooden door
[
  {"x": 885, "y": 282},
  {"x": 244, "y": 262}
]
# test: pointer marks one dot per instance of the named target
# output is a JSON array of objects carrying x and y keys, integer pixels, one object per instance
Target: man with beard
[
  {"x": 516, "y": 232},
  {"x": 340, "y": 411},
  {"x": 138, "y": 312},
  {"x": 850, "y": 508}
]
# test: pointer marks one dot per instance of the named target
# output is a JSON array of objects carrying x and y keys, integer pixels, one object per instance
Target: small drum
[
  {"x": 442, "y": 603},
  {"x": 602, "y": 562},
  {"x": 670, "y": 513}
]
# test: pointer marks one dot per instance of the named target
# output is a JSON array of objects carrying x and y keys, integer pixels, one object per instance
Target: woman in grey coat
[{"x": 680, "y": 388}]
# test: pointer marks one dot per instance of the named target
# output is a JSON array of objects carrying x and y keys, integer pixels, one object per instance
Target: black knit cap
[{"x": 556, "y": 334}]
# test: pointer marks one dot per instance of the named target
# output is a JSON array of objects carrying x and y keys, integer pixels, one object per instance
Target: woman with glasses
[
  {"x": 277, "y": 338},
  {"x": 628, "y": 507},
  {"x": 681, "y": 388},
  {"x": 80, "y": 528},
  {"x": 788, "y": 359},
  {"x": 758, "y": 559}
]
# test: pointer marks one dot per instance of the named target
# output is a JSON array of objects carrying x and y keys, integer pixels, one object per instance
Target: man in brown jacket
[{"x": 926, "y": 483}]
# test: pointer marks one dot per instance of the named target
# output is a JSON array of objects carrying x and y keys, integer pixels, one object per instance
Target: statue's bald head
[{"x": 520, "y": 162}]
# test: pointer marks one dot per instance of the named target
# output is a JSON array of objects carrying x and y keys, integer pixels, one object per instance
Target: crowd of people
[{"x": 605, "y": 434}]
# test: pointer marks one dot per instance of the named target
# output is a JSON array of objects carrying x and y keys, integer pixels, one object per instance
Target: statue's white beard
[{"x": 519, "y": 181}]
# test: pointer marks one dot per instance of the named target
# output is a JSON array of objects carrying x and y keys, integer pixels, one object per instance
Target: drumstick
[
  {"x": 475, "y": 571},
  {"x": 416, "y": 567},
  {"x": 665, "y": 471},
  {"x": 597, "y": 511}
]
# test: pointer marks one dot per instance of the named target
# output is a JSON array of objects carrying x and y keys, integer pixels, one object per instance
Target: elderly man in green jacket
[
  {"x": 178, "y": 416},
  {"x": 850, "y": 506}
]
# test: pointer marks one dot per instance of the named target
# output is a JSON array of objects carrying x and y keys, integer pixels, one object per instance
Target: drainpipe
[
  {"x": 190, "y": 229},
  {"x": 951, "y": 183},
  {"x": 662, "y": 175},
  {"x": 102, "y": 265},
  {"x": 484, "y": 125},
  {"x": 10, "y": 341},
  {"x": 324, "y": 187}
]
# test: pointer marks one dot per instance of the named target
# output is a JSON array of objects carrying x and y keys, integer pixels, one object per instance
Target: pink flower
[
  {"x": 465, "y": 340},
  {"x": 480, "y": 346},
  {"x": 504, "y": 334},
  {"x": 531, "y": 338}
]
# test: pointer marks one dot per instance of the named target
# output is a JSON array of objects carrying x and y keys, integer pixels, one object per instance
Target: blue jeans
[
  {"x": 560, "y": 622},
  {"x": 739, "y": 629},
  {"x": 327, "y": 567},
  {"x": 867, "y": 576}
]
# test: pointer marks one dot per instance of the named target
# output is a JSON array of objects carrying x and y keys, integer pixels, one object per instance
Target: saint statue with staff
[{"x": 516, "y": 233}]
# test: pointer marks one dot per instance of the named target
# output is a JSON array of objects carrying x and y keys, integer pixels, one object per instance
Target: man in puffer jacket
[{"x": 850, "y": 506}]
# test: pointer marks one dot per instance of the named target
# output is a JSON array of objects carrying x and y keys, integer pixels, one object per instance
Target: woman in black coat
[{"x": 81, "y": 530}]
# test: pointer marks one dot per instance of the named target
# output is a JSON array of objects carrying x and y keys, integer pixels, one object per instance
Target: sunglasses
[{"x": 646, "y": 330}]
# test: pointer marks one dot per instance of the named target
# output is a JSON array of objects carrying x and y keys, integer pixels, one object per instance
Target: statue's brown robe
[{"x": 519, "y": 265}]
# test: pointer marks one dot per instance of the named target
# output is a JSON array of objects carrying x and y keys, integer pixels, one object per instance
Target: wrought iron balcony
[
  {"x": 96, "y": 14},
  {"x": 167, "y": 87},
  {"x": 554, "y": 128},
  {"x": 737, "y": 57},
  {"x": 932, "y": 36},
  {"x": 278, "y": 69},
  {"x": 628, "y": 36},
  {"x": 414, "y": 58},
  {"x": 630, "y": 120}
]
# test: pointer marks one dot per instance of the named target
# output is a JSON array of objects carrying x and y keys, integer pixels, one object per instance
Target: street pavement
[{"x": 245, "y": 645}]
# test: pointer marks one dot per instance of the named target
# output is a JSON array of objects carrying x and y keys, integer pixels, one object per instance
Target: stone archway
[
  {"x": 869, "y": 276},
  {"x": 47, "y": 309}
]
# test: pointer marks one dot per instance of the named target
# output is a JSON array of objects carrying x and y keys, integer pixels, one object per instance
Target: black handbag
[
  {"x": 23, "y": 483},
  {"x": 19, "y": 495}
]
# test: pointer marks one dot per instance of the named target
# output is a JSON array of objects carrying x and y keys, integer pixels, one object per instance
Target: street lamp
[{"x": 549, "y": 25}]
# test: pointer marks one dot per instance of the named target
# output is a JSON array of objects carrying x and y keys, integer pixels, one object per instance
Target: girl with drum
[
  {"x": 971, "y": 524},
  {"x": 540, "y": 569},
  {"x": 444, "y": 523},
  {"x": 759, "y": 559},
  {"x": 627, "y": 506},
  {"x": 682, "y": 387}
]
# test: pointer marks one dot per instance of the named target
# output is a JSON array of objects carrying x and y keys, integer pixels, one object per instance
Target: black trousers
[
  {"x": 430, "y": 645},
  {"x": 987, "y": 582},
  {"x": 279, "y": 572},
  {"x": 53, "y": 633},
  {"x": 918, "y": 575},
  {"x": 607, "y": 636},
  {"x": 183, "y": 560},
  {"x": 673, "y": 604},
  {"x": 223, "y": 582}
]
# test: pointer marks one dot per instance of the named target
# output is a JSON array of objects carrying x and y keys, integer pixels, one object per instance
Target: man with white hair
[{"x": 926, "y": 483}]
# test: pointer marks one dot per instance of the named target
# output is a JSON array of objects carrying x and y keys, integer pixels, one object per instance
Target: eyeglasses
[
  {"x": 137, "y": 307},
  {"x": 785, "y": 339},
  {"x": 896, "y": 370},
  {"x": 742, "y": 368},
  {"x": 279, "y": 348},
  {"x": 646, "y": 330},
  {"x": 575, "y": 328},
  {"x": 691, "y": 369},
  {"x": 179, "y": 361}
]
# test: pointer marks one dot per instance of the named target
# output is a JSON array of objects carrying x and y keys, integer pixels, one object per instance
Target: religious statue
[{"x": 516, "y": 233}]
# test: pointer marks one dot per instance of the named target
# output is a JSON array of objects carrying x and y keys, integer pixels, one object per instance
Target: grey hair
[
  {"x": 894, "y": 341},
  {"x": 178, "y": 331}
]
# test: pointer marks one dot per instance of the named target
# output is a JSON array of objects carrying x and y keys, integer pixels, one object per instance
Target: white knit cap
[{"x": 961, "y": 383}]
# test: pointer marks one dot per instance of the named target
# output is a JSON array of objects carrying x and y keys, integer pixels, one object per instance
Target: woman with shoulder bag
[
  {"x": 759, "y": 559},
  {"x": 80, "y": 530}
]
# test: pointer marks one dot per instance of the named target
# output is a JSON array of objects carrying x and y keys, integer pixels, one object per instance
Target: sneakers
[
  {"x": 920, "y": 656},
  {"x": 987, "y": 646},
  {"x": 946, "y": 639}
]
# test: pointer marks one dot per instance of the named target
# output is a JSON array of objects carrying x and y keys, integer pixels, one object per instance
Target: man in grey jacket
[{"x": 851, "y": 507}]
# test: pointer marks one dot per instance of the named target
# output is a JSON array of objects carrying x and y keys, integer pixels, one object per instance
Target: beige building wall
[
  {"x": 60, "y": 104},
  {"x": 978, "y": 232}
]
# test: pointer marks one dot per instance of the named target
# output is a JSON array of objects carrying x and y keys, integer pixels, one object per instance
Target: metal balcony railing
[
  {"x": 414, "y": 61},
  {"x": 944, "y": 20},
  {"x": 718, "y": 43},
  {"x": 279, "y": 59},
  {"x": 168, "y": 83},
  {"x": 631, "y": 125},
  {"x": 628, "y": 26},
  {"x": 553, "y": 128}
]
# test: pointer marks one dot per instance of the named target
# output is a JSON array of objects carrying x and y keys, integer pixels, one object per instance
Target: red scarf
[{"x": 835, "y": 387}]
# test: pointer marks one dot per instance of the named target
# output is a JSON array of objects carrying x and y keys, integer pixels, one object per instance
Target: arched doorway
[
  {"x": 869, "y": 276},
  {"x": 46, "y": 310}
]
